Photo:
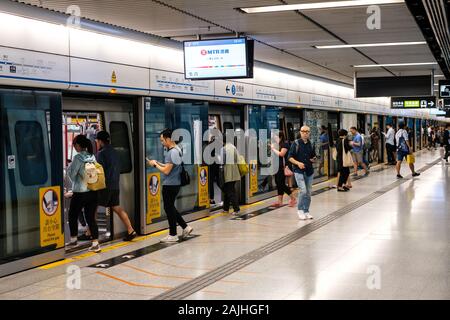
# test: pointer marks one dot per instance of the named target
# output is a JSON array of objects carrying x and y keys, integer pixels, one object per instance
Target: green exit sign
[{"x": 412, "y": 103}]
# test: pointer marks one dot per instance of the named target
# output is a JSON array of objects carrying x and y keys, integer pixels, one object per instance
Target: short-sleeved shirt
[
  {"x": 324, "y": 141},
  {"x": 357, "y": 139},
  {"x": 109, "y": 159},
  {"x": 282, "y": 161},
  {"x": 173, "y": 156},
  {"x": 401, "y": 133}
]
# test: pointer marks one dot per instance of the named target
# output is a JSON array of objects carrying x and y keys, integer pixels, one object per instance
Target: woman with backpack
[
  {"x": 82, "y": 198},
  {"x": 283, "y": 171}
]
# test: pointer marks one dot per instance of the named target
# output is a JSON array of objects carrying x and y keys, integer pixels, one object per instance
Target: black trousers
[
  {"x": 169, "y": 194},
  {"x": 88, "y": 202},
  {"x": 230, "y": 196},
  {"x": 280, "y": 180},
  {"x": 447, "y": 152},
  {"x": 390, "y": 149},
  {"x": 343, "y": 176}
]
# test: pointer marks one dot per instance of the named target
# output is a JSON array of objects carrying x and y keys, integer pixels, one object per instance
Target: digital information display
[
  {"x": 215, "y": 59},
  {"x": 444, "y": 89},
  {"x": 413, "y": 102}
]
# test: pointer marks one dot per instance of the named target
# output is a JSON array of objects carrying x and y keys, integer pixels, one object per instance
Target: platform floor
[{"x": 385, "y": 239}]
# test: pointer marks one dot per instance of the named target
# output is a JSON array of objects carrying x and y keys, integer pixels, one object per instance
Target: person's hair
[
  {"x": 324, "y": 127},
  {"x": 103, "y": 136},
  {"x": 342, "y": 132},
  {"x": 281, "y": 136},
  {"x": 354, "y": 128},
  {"x": 401, "y": 125},
  {"x": 166, "y": 133},
  {"x": 447, "y": 125},
  {"x": 83, "y": 142}
]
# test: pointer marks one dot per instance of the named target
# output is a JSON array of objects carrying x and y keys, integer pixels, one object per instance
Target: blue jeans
[{"x": 304, "y": 184}]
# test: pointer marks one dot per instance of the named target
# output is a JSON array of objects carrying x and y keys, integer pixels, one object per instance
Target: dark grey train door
[
  {"x": 88, "y": 116},
  {"x": 30, "y": 144}
]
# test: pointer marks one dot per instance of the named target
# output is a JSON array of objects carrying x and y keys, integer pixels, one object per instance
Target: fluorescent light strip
[
  {"x": 387, "y": 44},
  {"x": 439, "y": 76},
  {"x": 318, "y": 5},
  {"x": 394, "y": 65}
]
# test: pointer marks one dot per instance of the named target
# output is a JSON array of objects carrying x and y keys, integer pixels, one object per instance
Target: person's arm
[
  {"x": 74, "y": 168},
  {"x": 164, "y": 168},
  {"x": 313, "y": 155},
  {"x": 280, "y": 153}
]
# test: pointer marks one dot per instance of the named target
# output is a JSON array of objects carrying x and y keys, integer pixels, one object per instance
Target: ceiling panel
[{"x": 289, "y": 31}]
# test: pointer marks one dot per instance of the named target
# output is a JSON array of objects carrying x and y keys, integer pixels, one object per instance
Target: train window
[
  {"x": 31, "y": 153},
  {"x": 120, "y": 141}
]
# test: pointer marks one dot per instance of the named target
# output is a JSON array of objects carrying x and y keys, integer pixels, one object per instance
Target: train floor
[{"x": 387, "y": 238}]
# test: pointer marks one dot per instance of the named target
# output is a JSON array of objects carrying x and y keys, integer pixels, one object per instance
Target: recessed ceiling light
[
  {"x": 394, "y": 65},
  {"x": 318, "y": 5},
  {"x": 387, "y": 44}
]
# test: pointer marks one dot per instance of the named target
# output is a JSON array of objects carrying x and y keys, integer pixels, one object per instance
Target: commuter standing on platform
[
  {"x": 280, "y": 177},
  {"x": 171, "y": 186},
  {"x": 228, "y": 157},
  {"x": 343, "y": 145},
  {"x": 110, "y": 197},
  {"x": 390, "y": 143},
  {"x": 446, "y": 141},
  {"x": 403, "y": 150},
  {"x": 358, "y": 149},
  {"x": 302, "y": 155}
]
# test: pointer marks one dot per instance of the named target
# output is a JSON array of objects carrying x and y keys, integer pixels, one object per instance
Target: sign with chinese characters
[
  {"x": 203, "y": 188},
  {"x": 253, "y": 177},
  {"x": 231, "y": 90},
  {"x": 153, "y": 196},
  {"x": 50, "y": 217},
  {"x": 413, "y": 102},
  {"x": 215, "y": 59}
]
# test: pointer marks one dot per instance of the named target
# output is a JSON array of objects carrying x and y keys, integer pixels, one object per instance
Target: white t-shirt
[{"x": 401, "y": 133}]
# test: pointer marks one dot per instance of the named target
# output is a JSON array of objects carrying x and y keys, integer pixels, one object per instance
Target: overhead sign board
[
  {"x": 413, "y": 102},
  {"x": 218, "y": 59},
  {"x": 444, "y": 89}
]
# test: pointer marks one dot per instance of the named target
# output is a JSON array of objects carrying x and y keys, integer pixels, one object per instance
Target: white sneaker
[
  {"x": 169, "y": 239},
  {"x": 95, "y": 248},
  {"x": 186, "y": 232},
  {"x": 308, "y": 216},
  {"x": 301, "y": 215}
]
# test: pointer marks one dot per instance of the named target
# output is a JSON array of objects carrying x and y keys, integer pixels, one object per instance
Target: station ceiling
[{"x": 283, "y": 38}]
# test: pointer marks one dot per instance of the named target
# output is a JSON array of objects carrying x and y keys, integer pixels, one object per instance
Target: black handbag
[{"x": 184, "y": 175}]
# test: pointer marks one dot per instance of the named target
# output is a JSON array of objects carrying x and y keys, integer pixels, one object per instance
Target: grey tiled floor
[{"x": 404, "y": 235}]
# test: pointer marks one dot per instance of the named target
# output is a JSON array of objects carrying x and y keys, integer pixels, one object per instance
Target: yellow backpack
[{"x": 95, "y": 176}]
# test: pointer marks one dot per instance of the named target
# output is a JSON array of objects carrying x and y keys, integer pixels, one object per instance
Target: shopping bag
[{"x": 410, "y": 159}]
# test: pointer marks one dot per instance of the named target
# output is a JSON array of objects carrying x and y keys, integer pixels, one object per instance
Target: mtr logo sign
[{"x": 204, "y": 52}]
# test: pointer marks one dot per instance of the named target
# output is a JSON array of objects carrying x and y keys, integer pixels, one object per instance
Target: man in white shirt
[
  {"x": 390, "y": 144},
  {"x": 403, "y": 150}
]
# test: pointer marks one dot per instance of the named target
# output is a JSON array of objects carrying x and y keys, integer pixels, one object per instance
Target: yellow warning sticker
[{"x": 50, "y": 217}]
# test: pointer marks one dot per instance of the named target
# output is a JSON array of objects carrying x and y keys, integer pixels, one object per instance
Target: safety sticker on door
[{"x": 50, "y": 217}]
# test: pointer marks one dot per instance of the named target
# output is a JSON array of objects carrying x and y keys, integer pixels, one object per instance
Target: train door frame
[
  {"x": 34, "y": 258},
  {"x": 267, "y": 195},
  {"x": 143, "y": 104},
  {"x": 104, "y": 108}
]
